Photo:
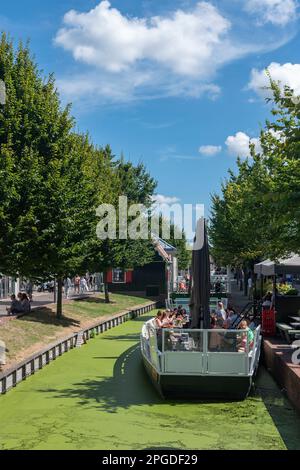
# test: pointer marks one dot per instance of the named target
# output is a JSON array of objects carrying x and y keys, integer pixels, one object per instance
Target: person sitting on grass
[
  {"x": 25, "y": 303},
  {"x": 15, "y": 306},
  {"x": 247, "y": 337}
]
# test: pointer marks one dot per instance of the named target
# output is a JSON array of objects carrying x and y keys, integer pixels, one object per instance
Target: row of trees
[
  {"x": 257, "y": 214},
  {"x": 52, "y": 179}
]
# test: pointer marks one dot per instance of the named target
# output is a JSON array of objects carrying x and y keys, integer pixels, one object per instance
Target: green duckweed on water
[{"x": 98, "y": 397}]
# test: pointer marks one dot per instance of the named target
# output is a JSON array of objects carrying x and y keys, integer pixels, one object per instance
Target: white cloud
[
  {"x": 161, "y": 199},
  {"x": 286, "y": 74},
  {"x": 184, "y": 42},
  {"x": 160, "y": 56},
  {"x": 175, "y": 54},
  {"x": 210, "y": 150},
  {"x": 278, "y": 12},
  {"x": 238, "y": 144},
  {"x": 132, "y": 85}
]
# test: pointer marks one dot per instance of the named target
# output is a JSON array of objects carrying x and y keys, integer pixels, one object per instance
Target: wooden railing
[{"x": 13, "y": 376}]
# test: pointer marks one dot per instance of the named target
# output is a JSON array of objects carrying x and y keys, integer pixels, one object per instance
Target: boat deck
[{"x": 200, "y": 363}]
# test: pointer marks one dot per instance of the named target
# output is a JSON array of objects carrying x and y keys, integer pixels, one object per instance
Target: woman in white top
[
  {"x": 221, "y": 313},
  {"x": 267, "y": 300}
]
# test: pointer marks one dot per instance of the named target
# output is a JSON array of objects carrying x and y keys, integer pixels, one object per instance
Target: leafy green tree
[
  {"x": 257, "y": 214},
  {"x": 138, "y": 186},
  {"x": 47, "y": 191},
  {"x": 281, "y": 149},
  {"x": 239, "y": 230}
]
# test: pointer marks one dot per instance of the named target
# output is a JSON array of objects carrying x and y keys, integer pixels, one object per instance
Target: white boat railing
[
  {"x": 219, "y": 283},
  {"x": 201, "y": 352}
]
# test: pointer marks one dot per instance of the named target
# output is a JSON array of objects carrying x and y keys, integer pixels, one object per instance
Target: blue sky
[{"x": 176, "y": 84}]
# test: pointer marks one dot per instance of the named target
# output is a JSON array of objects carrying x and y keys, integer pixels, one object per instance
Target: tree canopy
[
  {"x": 257, "y": 213},
  {"x": 52, "y": 179}
]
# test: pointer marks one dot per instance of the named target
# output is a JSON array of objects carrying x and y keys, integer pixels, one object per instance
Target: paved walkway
[
  {"x": 237, "y": 298},
  {"x": 99, "y": 397}
]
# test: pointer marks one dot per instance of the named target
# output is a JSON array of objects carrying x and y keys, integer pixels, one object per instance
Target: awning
[
  {"x": 283, "y": 266},
  {"x": 264, "y": 268}
]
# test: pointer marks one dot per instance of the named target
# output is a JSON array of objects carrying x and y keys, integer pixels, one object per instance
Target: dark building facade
[{"x": 153, "y": 280}]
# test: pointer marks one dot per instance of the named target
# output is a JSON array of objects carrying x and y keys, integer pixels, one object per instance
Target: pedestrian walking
[
  {"x": 250, "y": 288},
  {"x": 28, "y": 290},
  {"x": 77, "y": 284},
  {"x": 67, "y": 286},
  {"x": 83, "y": 285}
]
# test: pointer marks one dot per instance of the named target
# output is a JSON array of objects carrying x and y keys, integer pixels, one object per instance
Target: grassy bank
[{"x": 32, "y": 332}]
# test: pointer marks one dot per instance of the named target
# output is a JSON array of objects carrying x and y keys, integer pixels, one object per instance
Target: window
[{"x": 118, "y": 276}]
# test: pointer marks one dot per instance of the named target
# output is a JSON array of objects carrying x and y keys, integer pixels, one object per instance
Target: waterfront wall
[{"x": 278, "y": 360}]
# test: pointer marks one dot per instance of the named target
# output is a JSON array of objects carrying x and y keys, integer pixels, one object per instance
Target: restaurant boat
[{"x": 200, "y": 364}]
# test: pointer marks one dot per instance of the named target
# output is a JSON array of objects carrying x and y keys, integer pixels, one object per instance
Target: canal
[{"x": 98, "y": 397}]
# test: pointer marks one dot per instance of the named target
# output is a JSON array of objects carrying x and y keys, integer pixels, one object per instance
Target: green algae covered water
[{"x": 99, "y": 397}]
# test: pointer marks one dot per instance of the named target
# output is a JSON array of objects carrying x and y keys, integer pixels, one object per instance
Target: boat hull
[{"x": 199, "y": 387}]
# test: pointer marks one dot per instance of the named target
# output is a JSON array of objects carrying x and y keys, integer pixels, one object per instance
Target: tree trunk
[
  {"x": 54, "y": 292},
  {"x": 245, "y": 277},
  {"x": 106, "y": 293},
  {"x": 261, "y": 287},
  {"x": 59, "y": 297},
  {"x": 241, "y": 279}
]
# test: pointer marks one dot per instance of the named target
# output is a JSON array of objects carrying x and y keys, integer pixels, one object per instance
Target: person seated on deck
[
  {"x": 158, "y": 320},
  {"x": 170, "y": 321},
  {"x": 184, "y": 315},
  {"x": 214, "y": 337},
  {"x": 167, "y": 317},
  {"x": 15, "y": 306},
  {"x": 246, "y": 337},
  {"x": 172, "y": 317},
  {"x": 231, "y": 319},
  {"x": 221, "y": 313},
  {"x": 220, "y": 323},
  {"x": 178, "y": 320},
  {"x": 164, "y": 319}
]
